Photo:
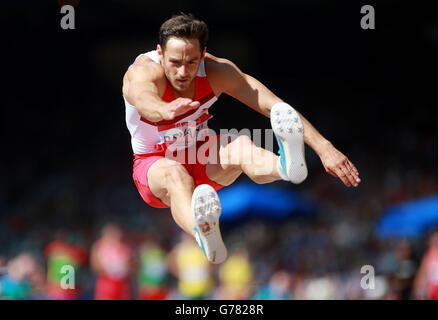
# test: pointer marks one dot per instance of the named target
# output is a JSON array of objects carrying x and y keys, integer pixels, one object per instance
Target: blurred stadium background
[{"x": 66, "y": 192}]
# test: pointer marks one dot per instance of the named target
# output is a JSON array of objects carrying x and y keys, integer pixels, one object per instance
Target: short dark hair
[{"x": 183, "y": 26}]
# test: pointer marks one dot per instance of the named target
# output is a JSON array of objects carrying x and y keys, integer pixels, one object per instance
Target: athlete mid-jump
[{"x": 168, "y": 93}]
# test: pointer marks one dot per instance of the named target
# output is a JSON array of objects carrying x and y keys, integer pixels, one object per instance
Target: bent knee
[
  {"x": 241, "y": 141},
  {"x": 236, "y": 151},
  {"x": 176, "y": 174}
]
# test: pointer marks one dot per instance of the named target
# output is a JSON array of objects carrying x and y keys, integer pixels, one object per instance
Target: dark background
[
  {"x": 372, "y": 93},
  {"x": 366, "y": 90}
]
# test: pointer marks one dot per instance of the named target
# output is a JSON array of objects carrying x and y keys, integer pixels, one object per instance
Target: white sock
[{"x": 280, "y": 171}]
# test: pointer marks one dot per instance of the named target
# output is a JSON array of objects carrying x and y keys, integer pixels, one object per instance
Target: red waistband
[{"x": 145, "y": 155}]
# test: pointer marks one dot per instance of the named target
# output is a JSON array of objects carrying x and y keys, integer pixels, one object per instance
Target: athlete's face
[{"x": 180, "y": 60}]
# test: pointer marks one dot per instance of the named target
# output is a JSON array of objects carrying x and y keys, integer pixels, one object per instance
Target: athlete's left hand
[{"x": 339, "y": 166}]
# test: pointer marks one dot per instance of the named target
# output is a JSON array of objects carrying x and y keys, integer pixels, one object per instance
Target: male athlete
[{"x": 168, "y": 93}]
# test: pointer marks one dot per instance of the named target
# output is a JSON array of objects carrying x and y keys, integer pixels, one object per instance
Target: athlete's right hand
[{"x": 178, "y": 107}]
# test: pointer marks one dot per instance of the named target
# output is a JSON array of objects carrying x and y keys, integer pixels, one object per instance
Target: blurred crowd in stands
[
  {"x": 116, "y": 247},
  {"x": 73, "y": 226}
]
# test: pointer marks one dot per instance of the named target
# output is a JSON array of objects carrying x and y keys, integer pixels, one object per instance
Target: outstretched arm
[
  {"x": 226, "y": 77},
  {"x": 142, "y": 84}
]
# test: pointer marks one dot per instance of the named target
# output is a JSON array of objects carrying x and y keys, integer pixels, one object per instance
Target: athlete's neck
[{"x": 189, "y": 93}]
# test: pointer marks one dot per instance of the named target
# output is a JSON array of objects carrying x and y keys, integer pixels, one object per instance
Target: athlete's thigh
[
  {"x": 158, "y": 177},
  {"x": 223, "y": 166}
]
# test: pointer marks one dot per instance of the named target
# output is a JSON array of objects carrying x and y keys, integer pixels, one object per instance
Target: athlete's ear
[{"x": 159, "y": 50}]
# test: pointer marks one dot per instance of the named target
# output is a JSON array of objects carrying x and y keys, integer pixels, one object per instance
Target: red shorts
[{"x": 142, "y": 164}]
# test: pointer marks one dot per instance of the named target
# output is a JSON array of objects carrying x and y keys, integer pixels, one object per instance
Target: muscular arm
[
  {"x": 144, "y": 84},
  {"x": 226, "y": 77},
  {"x": 141, "y": 89},
  {"x": 251, "y": 92}
]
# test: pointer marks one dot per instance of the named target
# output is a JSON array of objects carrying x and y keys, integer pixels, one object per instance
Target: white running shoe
[
  {"x": 206, "y": 210},
  {"x": 289, "y": 132}
]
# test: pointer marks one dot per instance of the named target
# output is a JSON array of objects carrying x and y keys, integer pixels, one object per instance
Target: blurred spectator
[
  {"x": 189, "y": 265},
  {"x": 152, "y": 277},
  {"x": 320, "y": 288},
  {"x": 381, "y": 290},
  {"x": 426, "y": 280},
  {"x": 16, "y": 283},
  {"x": 3, "y": 263},
  {"x": 405, "y": 271},
  {"x": 60, "y": 253},
  {"x": 278, "y": 288},
  {"x": 111, "y": 260},
  {"x": 235, "y": 276}
]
